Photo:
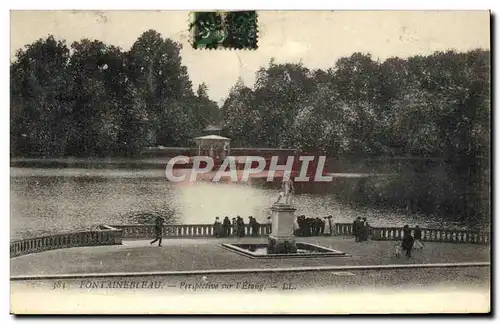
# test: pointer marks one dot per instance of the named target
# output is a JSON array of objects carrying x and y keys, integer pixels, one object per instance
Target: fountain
[{"x": 281, "y": 242}]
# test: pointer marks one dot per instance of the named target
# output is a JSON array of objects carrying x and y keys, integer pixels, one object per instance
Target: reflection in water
[{"x": 53, "y": 200}]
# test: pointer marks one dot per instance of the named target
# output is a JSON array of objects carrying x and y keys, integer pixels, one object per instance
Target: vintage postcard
[{"x": 250, "y": 162}]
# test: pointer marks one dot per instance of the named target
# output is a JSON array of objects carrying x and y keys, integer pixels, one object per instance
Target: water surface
[{"x": 45, "y": 201}]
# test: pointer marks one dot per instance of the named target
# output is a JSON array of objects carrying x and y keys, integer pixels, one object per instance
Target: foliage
[
  {"x": 94, "y": 99},
  {"x": 435, "y": 107}
]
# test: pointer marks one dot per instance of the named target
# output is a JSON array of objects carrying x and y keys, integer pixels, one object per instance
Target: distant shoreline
[
  {"x": 146, "y": 163},
  {"x": 336, "y": 165}
]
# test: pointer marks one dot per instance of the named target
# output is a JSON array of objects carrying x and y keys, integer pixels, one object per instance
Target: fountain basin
[{"x": 304, "y": 250}]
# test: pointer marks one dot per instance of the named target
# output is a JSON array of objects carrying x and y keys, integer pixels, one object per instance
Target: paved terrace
[{"x": 206, "y": 254}]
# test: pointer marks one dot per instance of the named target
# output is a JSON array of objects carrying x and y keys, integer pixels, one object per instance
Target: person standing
[
  {"x": 330, "y": 225},
  {"x": 317, "y": 226},
  {"x": 355, "y": 228},
  {"x": 418, "y": 238},
  {"x": 158, "y": 231},
  {"x": 250, "y": 225},
  {"x": 254, "y": 225},
  {"x": 226, "y": 225},
  {"x": 235, "y": 227},
  {"x": 226, "y": 149},
  {"x": 241, "y": 226},
  {"x": 408, "y": 240},
  {"x": 310, "y": 226},
  {"x": 303, "y": 225},
  {"x": 364, "y": 230},
  {"x": 217, "y": 227},
  {"x": 361, "y": 231}
]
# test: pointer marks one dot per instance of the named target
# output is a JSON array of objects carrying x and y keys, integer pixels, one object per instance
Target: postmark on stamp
[{"x": 224, "y": 30}]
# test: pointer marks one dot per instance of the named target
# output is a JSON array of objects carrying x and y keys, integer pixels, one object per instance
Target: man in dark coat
[
  {"x": 418, "y": 238},
  {"x": 226, "y": 224},
  {"x": 158, "y": 230},
  {"x": 330, "y": 224},
  {"x": 269, "y": 225},
  {"x": 255, "y": 226},
  {"x": 241, "y": 226},
  {"x": 317, "y": 226},
  {"x": 355, "y": 228},
  {"x": 363, "y": 230},
  {"x": 301, "y": 221},
  {"x": 408, "y": 240},
  {"x": 235, "y": 224},
  {"x": 310, "y": 226},
  {"x": 217, "y": 227}
]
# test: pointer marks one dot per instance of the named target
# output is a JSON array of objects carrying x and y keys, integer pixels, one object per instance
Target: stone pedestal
[{"x": 281, "y": 239}]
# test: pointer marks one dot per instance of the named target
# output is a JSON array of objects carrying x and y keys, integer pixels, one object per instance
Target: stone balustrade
[
  {"x": 340, "y": 229},
  {"x": 103, "y": 235},
  {"x": 428, "y": 234},
  {"x": 192, "y": 230},
  {"x": 113, "y": 235}
]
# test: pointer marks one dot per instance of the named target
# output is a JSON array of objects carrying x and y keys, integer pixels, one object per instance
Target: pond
[{"x": 52, "y": 200}]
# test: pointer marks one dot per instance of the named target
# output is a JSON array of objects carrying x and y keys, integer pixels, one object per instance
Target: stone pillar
[{"x": 281, "y": 239}]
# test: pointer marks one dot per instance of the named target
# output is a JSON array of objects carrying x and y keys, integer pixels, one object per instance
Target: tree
[
  {"x": 206, "y": 111},
  {"x": 39, "y": 109},
  {"x": 240, "y": 120},
  {"x": 278, "y": 91},
  {"x": 157, "y": 72},
  {"x": 97, "y": 97}
]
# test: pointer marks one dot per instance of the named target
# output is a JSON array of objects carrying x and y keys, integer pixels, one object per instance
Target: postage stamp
[
  {"x": 341, "y": 168},
  {"x": 224, "y": 30}
]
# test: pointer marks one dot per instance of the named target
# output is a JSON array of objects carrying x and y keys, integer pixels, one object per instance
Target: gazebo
[{"x": 214, "y": 146}]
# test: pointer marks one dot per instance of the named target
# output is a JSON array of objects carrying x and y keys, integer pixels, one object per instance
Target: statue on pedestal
[
  {"x": 287, "y": 190},
  {"x": 281, "y": 240}
]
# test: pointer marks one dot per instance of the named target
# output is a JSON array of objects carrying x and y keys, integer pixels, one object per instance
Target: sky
[{"x": 317, "y": 38}]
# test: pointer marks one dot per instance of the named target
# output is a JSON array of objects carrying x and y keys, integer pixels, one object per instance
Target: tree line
[
  {"x": 432, "y": 106},
  {"x": 95, "y": 99},
  {"x": 435, "y": 107}
]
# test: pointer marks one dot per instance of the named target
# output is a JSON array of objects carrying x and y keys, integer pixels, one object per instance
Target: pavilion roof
[{"x": 212, "y": 137}]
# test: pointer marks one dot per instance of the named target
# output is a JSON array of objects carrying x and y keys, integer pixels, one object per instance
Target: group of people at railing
[
  {"x": 237, "y": 227},
  {"x": 303, "y": 226},
  {"x": 409, "y": 241},
  {"x": 361, "y": 229},
  {"x": 310, "y": 226}
]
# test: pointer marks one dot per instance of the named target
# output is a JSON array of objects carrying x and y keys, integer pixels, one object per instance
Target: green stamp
[{"x": 224, "y": 29}]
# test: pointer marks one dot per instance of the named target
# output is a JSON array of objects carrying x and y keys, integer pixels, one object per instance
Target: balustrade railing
[
  {"x": 113, "y": 235},
  {"x": 103, "y": 235},
  {"x": 192, "y": 230},
  {"x": 428, "y": 234},
  {"x": 340, "y": 229}
]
